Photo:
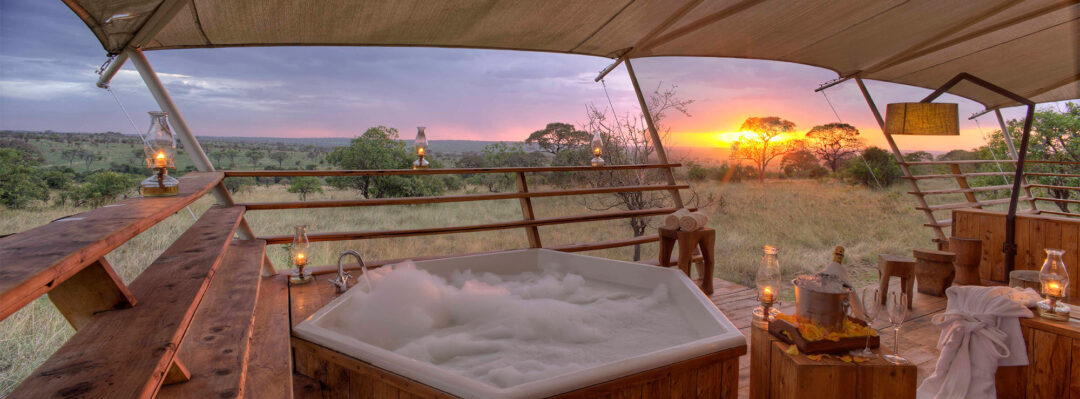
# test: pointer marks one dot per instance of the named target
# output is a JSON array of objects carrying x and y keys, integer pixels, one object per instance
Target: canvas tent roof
[{"x": 1030, "y": 47}]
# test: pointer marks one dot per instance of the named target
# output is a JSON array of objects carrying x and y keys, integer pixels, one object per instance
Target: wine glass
[
  {"x": 871, "y": 305},
  {"x": 898, "y": 311}
]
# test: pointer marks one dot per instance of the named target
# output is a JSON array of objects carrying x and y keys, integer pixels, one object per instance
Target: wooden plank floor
[{"x": 918, "y": 336}]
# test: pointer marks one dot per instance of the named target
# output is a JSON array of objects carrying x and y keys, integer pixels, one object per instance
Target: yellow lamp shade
[{"x": 922, "y": 119}]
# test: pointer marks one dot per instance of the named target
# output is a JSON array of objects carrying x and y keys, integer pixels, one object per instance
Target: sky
[{"x": 47, "y": 82}]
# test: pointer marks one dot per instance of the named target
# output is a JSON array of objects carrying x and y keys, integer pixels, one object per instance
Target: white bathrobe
[{"x": 980, "y": 330}]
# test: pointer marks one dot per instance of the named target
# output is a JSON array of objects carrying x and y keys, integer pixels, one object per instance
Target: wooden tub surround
[{"x": 323, "y": 372}]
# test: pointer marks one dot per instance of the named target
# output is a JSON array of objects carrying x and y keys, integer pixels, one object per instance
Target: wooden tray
[{"x": 776, "y": 326}]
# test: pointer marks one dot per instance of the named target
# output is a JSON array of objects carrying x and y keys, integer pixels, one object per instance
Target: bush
[
  {"x": 696, "y": 172},
  {"x": 802, "y": 164},
  {"x": 235, "y": 184},
  {"x": 58, "y": 178},
  {"x": 20, "y": 182},
  {"x": 305, "y": 185},
  {"x": 881, "y": 162},
  {"x": 102, "y": 188}
]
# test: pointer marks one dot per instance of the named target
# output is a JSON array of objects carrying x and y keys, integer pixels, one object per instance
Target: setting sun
[{"x": 719, "y": 139}]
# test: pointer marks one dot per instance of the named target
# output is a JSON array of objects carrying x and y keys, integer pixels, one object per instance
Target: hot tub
[{"x": 699, "y": 328}]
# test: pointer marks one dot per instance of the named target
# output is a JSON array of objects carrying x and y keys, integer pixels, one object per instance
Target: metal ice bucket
[{"x": 827, "y": 310}]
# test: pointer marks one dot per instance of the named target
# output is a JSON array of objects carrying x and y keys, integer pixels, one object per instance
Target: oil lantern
[
  {"x": 597, "y": 149},
  {"x": 159, "y": 146},
  {"x": 1055, "y": 283},
  {"x": 768, "y": 284},
  {"x": 299, "y": 254},
  {"x": 421, "y": 145}
]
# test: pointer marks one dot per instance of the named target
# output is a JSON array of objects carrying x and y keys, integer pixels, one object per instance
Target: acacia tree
[
  {"x": 833, "y": 143},
  {"x": 558, "y": 136},
  {"x": 254, "y": 156},
  {"x": 627, "y": 141},
  {"x": 280, "y": 157},
  {"x": 305, "y": 185},
  {"x": 763, "y": 144}
]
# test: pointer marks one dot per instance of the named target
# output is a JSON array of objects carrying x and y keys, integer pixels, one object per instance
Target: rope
[
  {"x": 872, "y": 174},
  {"x": 991, "y": 149},
  {"x": 134, "y": 128},
  {"x": 613, "y": 114}
]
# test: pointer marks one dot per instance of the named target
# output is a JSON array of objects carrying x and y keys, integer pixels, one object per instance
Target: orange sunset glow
[{"x": 720, "y": 139}]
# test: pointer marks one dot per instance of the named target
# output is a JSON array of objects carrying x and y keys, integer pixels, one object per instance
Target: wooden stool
[
  {"x": 968, "y": 254},
  {"x": 703, "y": 240},
  {"x": 899, "y": 266},
  {"x": 934, "y": 270}
]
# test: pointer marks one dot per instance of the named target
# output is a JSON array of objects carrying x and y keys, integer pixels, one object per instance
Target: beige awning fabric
[{"x": 1029, "y": 47}]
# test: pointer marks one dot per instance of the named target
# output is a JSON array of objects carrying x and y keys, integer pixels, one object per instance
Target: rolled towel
[
  {"x": 671, "y": 221},
  {"x": 693, "y": 221}
]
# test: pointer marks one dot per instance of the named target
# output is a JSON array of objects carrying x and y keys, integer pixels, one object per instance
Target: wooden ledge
[{"x": 39, "y": 259}]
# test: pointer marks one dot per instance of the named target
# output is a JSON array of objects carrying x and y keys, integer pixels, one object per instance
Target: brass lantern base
[
  {"x": 160, "y": 185},
  {"x": 1053, "y": 309},
  {"x": 300, "y": 276}
]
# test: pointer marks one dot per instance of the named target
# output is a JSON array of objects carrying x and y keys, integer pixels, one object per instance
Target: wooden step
[
  {"x": 126, "y": 353},
  {"x": 962, "y": 205},
  {"x": 215, "y": 348},
  {"x": 269, "y": 370}
]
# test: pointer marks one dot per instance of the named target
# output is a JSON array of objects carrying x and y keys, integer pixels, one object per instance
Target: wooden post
[
  {"x": 660, "y": 154},
  {"x": 963, "y": 183},
  {"x": 900, "y": 160},
  {"x": 532, "y": 232},
  {"x": 94, "y": 289}
]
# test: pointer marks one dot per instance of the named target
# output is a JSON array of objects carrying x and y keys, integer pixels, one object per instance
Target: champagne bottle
[{"x": 837, "y": 268}]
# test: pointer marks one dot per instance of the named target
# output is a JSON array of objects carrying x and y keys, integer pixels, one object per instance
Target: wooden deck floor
[{"x": 918, "y": 336}]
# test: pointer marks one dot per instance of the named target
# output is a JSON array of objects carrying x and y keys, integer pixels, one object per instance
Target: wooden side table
[
  {"x": 704, "y": 240},
  {"x": 1053, "y": 369},
  {"x": 775, "y": 374}
]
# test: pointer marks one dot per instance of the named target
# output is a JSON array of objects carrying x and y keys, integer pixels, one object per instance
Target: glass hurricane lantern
[
  {"x": 299, "y": 255},
  {"x": 159, "y": 146},
  {"x": 768, "y": 285},
  {"x": 1055, "y": 283}
]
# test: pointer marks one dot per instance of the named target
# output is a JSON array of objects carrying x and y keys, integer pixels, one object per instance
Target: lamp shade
[{"x": 922, "y": 119}]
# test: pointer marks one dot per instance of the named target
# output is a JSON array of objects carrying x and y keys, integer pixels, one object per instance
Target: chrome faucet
[{"x": 341, "y": 283}]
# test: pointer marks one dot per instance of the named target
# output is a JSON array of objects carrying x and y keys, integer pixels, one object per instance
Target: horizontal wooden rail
[
  {"x": 958, "y": 162},
  {"x": 37, "y": 260},
  {"x": 452, "y": 171},
  {"x": 591, "y": 246},
  {"x": 964, "y": 190},
  {"x": 1054, "y": 187},
  {"x": 1066, "y": 175},
  {"x": 962, "y": 205},
  {"x": 1054, "y": 162},
  {"x": 454, "y": 198},
  {"x": 365, "y": 235},
  {"x": 1061, "y": 213},
  {"x": 953, "y": 176},
  {"x": 1064, "y": 201}
]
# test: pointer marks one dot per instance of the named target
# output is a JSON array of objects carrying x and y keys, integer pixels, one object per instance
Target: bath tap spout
[{"x": 341, "y": 283}]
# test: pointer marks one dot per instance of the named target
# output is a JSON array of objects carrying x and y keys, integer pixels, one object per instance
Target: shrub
[
  {"x": 877, "y": 160},
  {"x": 305, "y": 185},
  {"x": 696, "y": 172},
  {"x": 20, "y": 182},
  {"x": 102, "y": 188}
]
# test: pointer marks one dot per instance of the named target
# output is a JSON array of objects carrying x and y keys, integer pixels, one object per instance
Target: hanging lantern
[
  {"x": 768, "y": 284},
  {"x": 159, "y": 147},
  {"x": 922, "y": 119},
  {"x": 597, "y": 149},
  {"x": 300, "y": 254},
  {"x": 421, "y": 145},
  {"x": 1055, "y": 283}
]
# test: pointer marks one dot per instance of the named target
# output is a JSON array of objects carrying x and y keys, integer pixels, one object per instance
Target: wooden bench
[
  {"x": 129, "y": 353},
  {"x": 238, "y": 341},
  {"x": 40, "y": 260}
]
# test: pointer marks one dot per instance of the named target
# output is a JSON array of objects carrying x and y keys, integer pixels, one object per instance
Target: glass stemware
[
  {"x": 898, "y": 311},
  {"x": 871, "y": 305}
]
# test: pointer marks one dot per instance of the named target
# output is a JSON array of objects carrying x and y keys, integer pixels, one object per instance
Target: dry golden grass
[{"x": 804, "y": 218}]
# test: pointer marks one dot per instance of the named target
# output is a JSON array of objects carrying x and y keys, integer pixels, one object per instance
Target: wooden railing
[
  {"x": 529, "y": 222},
  {"x": 971, "y": 201}
]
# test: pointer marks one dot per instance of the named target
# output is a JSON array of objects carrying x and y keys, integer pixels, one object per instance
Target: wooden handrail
[
  {"x": 591, "y": 246},
  {"x": 365, "y": 235},
  {"x": 962, "y": 205},
  {"x": 1061, "y": 213},
  {"x": 955, "y": 175},
  {"x": 964, "y": 190},
  {"x": 1051, "y": 174},
  {"x": 37, "y": 260},
  {"x": 452, "y": 171},
  {"x": 256, "y": 206},
  {"x": 1065, "y": 201},
  {"x": 1054, "y": 187},
  {"x": 959, "y": 162}
]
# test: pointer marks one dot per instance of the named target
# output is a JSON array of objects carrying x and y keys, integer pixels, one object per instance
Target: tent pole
[
  {"x": 191, "y": 144},
  {"x": 900, "y": 160},
  {"x": 1005, "y": 133},
  {"x": 660, "y": 154}
]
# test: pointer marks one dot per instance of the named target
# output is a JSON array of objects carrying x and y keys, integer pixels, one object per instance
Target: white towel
[
  {"x": 693, "y": 221},
  {"x": 671, "y": 221},
  {"x": 980, "y": 330}
]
